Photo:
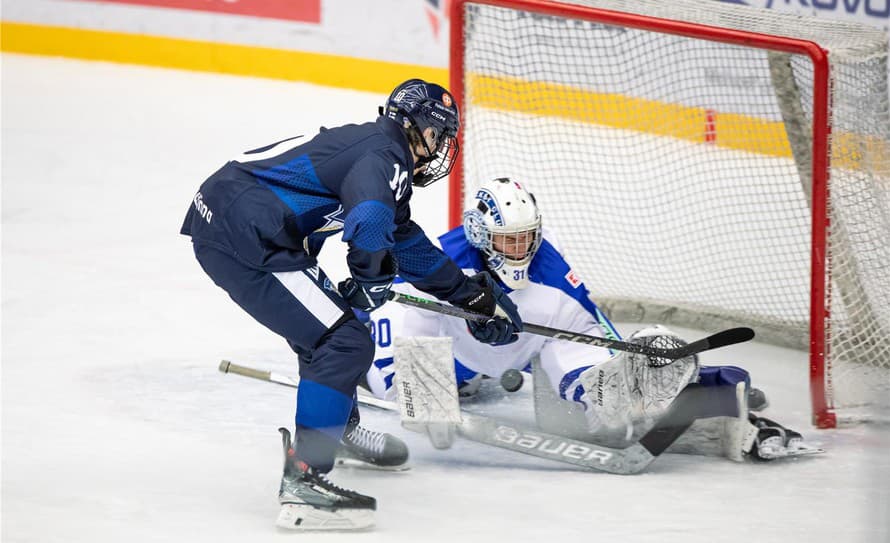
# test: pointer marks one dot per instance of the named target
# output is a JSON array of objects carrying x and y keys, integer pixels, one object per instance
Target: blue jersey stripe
[
  {"x": 570, "y": 378},
  {"x": 297, "y": 184},
  {"x": 383, "y": 362}
]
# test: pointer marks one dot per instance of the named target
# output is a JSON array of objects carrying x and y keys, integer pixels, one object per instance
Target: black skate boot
[
  {"x": 310, "y": 502},
  {"x": 775, "y": 441},
  {"x": 769, "y": 445},
  {"x": 365, "y": 448}
]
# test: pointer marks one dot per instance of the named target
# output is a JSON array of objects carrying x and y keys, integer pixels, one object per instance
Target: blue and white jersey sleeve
[{"x": 564, "y": 361}]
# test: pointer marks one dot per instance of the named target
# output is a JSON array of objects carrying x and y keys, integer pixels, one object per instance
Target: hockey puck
[{"x": 511, "y": 380}]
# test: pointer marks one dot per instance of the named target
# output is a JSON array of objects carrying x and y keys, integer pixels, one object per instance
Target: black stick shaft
[{"x": 720, "y": 339}]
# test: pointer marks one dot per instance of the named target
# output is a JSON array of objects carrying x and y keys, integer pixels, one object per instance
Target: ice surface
[{"x": 117, "y": 427}]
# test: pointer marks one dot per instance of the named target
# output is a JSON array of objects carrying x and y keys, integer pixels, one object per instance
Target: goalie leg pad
[
  {"x": 427, "y": 387},
  {"x": 724, "y": 435}
]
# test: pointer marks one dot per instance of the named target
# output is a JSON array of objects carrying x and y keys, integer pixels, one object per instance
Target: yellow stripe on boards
[
  {"x": 321, "y": 69},
  {"x": 628, "y": 113},
  {"x": 730, "y": 130},
  {"x": 733, "y": 131}
]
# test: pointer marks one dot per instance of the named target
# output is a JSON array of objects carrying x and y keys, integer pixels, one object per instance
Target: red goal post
[{"x": 819, "y": 118}]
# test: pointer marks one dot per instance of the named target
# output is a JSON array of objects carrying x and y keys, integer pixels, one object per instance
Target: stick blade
[
  {"x": 730, "y": 337},
  {"x": 723, "y": 338}
]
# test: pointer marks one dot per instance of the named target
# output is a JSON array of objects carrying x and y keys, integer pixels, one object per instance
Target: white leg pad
[{"x": 427, "y": 387}]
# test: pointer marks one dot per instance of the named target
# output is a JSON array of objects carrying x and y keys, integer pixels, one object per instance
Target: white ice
[{"x": 116, "y": 425}]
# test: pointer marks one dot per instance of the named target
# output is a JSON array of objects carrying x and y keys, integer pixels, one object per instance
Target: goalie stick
[
  {"x": 517, "y": 438},
  {"x": 724, "y": 338}
]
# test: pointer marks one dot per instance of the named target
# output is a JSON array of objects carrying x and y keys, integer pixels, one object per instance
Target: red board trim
[{"x": 304, "y": 11}]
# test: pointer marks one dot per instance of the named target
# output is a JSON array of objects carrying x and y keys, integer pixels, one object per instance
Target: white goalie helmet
[{"x": 504, "y": 223}]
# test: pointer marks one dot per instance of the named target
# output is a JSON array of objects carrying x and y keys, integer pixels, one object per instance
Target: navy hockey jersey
[{"x": 275, "y": 205}]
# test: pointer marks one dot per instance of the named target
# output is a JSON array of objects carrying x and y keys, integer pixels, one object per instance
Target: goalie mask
[{"x": 505, "y": 225}]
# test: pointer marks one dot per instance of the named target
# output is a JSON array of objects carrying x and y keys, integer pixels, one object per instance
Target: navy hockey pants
[{"x": 334, "y": 348}]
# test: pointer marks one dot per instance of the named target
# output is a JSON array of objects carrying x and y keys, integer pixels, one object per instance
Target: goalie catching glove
[
  {"x": 489, "y": 299},
  {"x": 629, "y": 392}
]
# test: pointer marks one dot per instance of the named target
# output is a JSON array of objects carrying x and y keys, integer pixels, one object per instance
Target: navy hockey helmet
[{"x": 417, "y": 105}]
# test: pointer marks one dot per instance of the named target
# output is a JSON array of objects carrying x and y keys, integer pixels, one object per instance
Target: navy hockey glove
[
  {"x": 489, "y": 299},
  {"x": 365, "y": 295},
  {"x": 369, "y": 295}
]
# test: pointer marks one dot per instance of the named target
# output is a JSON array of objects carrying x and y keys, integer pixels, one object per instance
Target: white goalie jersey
[{"x": 555, "y": 297}]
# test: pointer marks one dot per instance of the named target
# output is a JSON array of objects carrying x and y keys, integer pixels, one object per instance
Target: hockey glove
[
  {"x": 368, "y": 295},
  {"x": 489, "y": 299}
]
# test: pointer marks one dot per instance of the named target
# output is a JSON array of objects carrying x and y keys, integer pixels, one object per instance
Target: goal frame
[{"x": 823, "y": 415}]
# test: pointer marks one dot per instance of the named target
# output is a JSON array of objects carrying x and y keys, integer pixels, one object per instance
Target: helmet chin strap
[
  {"x": 421, "y": 161},
  {"x": 424, "y": 160}
]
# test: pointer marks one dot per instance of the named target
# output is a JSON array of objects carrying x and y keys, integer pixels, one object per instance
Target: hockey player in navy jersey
[
  {"x": 621, "y": 395},
  {"x": 259, "y": 222}
]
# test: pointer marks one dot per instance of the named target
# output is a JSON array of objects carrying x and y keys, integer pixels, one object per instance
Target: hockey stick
[
  {"x": 364, "y": 397},
  {"x": 730, "y": 336},
  {"x": 518, "y": 438}
]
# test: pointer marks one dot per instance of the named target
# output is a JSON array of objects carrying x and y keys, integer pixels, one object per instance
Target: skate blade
[
  {"x": 355, "y": 463},
  {"x": 804, "y": 450},
  {"x": 781, "y": 453},
  {"x": 304, "y": 517}
]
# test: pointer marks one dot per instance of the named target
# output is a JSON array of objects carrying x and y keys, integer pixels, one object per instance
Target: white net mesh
[{"x": 677, "y": 170}]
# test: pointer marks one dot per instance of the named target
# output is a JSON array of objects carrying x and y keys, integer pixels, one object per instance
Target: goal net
[{"x": 704, "y": 164}]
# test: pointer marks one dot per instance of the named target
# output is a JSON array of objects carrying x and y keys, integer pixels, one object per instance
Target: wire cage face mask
[{"x": 438, "y": 162}]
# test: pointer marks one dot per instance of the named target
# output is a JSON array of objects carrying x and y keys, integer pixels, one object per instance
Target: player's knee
[
  {"x": 352, "y": 339},
  {"x": 364, "y": 345}
]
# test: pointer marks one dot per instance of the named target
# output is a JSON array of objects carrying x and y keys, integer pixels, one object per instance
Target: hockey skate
[
  {"x": 310, "y": 502},
  {"x": 363, "y": 448},
  {"x": 775, "y": 441}
]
